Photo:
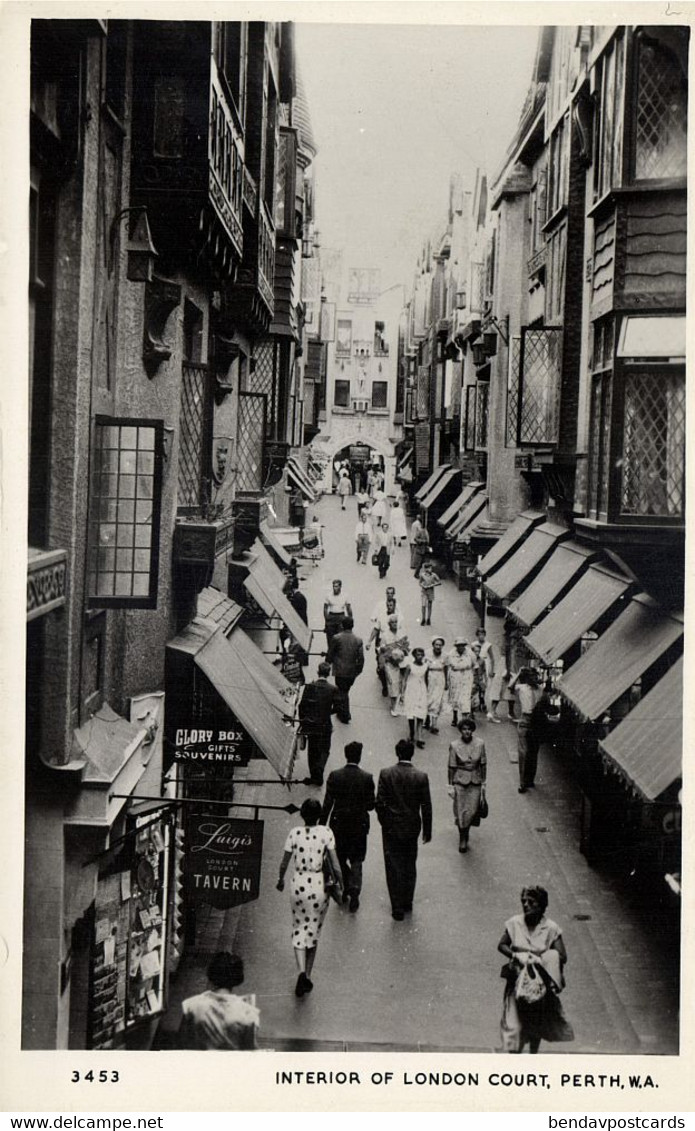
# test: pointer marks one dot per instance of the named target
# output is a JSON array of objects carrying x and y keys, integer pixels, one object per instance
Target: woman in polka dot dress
[{"x": 308, "y": 897}]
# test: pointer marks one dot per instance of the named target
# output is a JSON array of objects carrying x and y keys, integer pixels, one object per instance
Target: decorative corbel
[
  {"x": 226, "y": 350},
  {"x": 161, "y": 297}
]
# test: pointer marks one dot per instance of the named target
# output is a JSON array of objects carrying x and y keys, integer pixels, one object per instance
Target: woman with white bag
[{"x": 532, "y": 1010}]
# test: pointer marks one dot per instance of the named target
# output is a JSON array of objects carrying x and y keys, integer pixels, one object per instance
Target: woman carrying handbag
[
  {"x": 308, "y": 844},
  {"x": 467, "y": 776}
]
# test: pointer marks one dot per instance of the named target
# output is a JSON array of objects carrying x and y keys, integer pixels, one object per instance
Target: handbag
[
  {"x": 375, "y": 559},
  {"x": 331, "y": 883},
  {"x": 530, "y": 986},
  {"x": 483, "y": 808}
]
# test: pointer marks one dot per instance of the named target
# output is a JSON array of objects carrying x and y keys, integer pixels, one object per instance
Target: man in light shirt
[
  {"x": 363, "y": 536},
  {"x": 335, "y": 606}
]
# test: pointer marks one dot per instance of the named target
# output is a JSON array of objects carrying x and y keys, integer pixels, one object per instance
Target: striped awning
[
  {"x": 406, "y": 457},
  {"x": 271, "y": 539},
  {"x": 512, "y": 537},
  {"x": 625, "y": 651},
  {"x": 301, "y": 479},
  {"x": 454, "y": 510},
  {"x": 587, "y": 601},
  {"x": 265, "y": 583},
  {"x": 647, "y": 746},
  {"x": 530, "y": 554},
  {"x": 475, "y": 508},
  {"x": 562, "y": 568},
  {"x": 434, "y": 493},
  {"x": 431, "y": 480}
]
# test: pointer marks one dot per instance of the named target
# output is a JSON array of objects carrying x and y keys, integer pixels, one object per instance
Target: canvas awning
[
  {"x": 454, "y": 510},
  {"x": 214, "y": 606},
  {"x": 301, "y": 479},
  {"x": 271, "y": 539},
  {"x": 647, "y": 746},
  {"x": 563, "y": 566},
  {"x": 264, "y": 583},
  {"x": 529, "y": 555},
  {"x": 253, "y": 690},
  {"x": 652, "y": 336},
  {"x": 475, "y": 507},
  {"x": 443, "y": 481},
  {"x": 406, "y": 457},
  {"x": 636, "y": 640},
  {"x": 431, "y": 480},
  {"x": 584, "y": 605},
  {"x": 504, "y": 546}
]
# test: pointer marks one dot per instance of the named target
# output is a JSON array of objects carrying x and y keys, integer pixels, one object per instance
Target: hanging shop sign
[
  {"x": 212, "y": 746},
  {"x": 291, "y": 666},
  {"x": 222, "y": 865}
]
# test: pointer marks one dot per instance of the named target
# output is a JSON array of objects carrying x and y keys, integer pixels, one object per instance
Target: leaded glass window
[
  {"x": 539, "y": 394},
  {"x": 653, "y": 464},
  {"x": 661, "y": 112},
  {"x": 124, "y": 512}
]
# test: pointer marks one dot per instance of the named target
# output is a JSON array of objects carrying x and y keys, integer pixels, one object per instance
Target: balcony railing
[{"x": 226, "y": 170}]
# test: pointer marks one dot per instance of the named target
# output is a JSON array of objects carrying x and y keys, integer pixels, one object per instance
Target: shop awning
[
  {"x": 504, "y": 546},
  {"x": 647, "y": 746},
  {"x": 301, "y": 479},
  {"x": 586, "y": 602},
  {"x": 640, "y": 635},
  {"x": 271, "y": 539},
  {"x": 264, "y": 583},
  {"x": 563, "y": 566},
  {"x": 213, "y": 605},
  {"x": 434, "y": 493},
  {"x": 431, "y": 480},
  {"x": 459, "y": 503},
  {"x": 240, "y": 673},
  {"x": 531, "y": 553},
  {"x": 406, "y": 457},
  {"x": 475, "y": 507}
]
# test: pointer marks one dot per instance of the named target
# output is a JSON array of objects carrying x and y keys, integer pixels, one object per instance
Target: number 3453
[{"x": 105, "y": 1076}]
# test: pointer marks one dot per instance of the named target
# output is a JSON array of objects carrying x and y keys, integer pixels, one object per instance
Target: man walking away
[
  {"x": 346, "y": 806},
  {"x": 346, "y": 655},
  {"x": 316, "y": 706},
  {"x": 404, "y": 807}
]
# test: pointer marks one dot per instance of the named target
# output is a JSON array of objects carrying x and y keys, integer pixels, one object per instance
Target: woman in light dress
[
  {"x": 398, "y": 523},
  {"x": 414, "y": 674},
  {"x": 460, "y": 668},
  {"x": 437, "y": 683},
  {"x": 307, "y": 843},
  {"x": 531, "y": 939}
]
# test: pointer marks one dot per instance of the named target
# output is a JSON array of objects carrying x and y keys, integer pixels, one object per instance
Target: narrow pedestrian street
[{"x": 432, "y": 981}]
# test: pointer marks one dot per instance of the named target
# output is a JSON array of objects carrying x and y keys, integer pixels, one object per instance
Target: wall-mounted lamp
[
  {"x": 140, "y": 248},
  {"x": 461, "y": 300},
  {"x": 479, "y": 353},
  {"x": 502, "y": 327}
]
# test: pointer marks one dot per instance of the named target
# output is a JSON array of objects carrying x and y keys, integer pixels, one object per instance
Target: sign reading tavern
[
  {"x": 223, "y": 860},
  {"x": 205, "y": 747}
]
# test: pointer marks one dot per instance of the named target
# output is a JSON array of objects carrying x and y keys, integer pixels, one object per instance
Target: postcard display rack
[{"x": 130, "y": 938}]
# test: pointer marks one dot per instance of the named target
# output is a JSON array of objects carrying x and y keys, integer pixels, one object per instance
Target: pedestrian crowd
[{"x": 459, "y": 678}]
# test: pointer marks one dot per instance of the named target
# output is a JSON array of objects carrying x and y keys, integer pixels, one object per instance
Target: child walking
[{"x": 428, "y": 582}]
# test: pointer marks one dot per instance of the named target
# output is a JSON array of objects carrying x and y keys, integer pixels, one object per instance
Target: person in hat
[
  {"x": 218, "y": 1018},
  {"x": 467, "y": 775},
  {"x": 437, "y": 683},
  {"x": 459, "y": 666}
]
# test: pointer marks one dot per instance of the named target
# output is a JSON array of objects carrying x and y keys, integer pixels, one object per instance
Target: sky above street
[{"x": 395, "y": 110}]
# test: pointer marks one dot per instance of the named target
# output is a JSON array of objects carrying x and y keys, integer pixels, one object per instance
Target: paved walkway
[{"x": 432, "y": 981}]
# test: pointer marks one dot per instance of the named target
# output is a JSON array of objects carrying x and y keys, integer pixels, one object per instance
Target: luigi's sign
[{"x": 223, "y": 857}]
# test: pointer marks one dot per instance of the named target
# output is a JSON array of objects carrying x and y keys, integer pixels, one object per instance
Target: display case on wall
[{"x": 129, "y": 945}]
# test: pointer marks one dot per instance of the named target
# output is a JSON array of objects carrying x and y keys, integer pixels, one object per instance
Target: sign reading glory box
[
  {"x": 223, "y": 860},
  {"x": 212, "y": 746}
]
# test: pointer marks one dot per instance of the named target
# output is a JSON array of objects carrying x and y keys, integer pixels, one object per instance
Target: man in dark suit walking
[
  {"x": 349, "y": 798},
  {"x": 403, "y": 806},
  {"x": 346, "y": 654},
  {"x": 316, "y": 706}
]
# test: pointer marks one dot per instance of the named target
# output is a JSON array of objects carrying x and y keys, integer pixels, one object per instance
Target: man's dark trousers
[
  {"x": 400, "y": 856},
  {"x": 342, "y": 705},
  {"x": 351, "y": 850},
  {"x": 318, "y": 752}
]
